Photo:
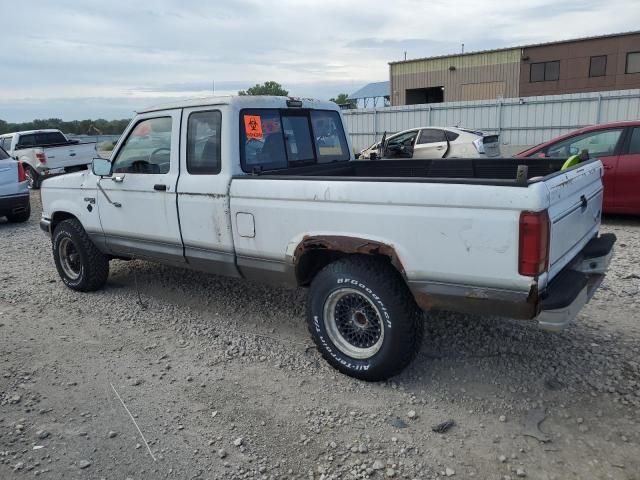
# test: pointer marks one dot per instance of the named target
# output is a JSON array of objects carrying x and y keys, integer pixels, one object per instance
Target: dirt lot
[{"x": 223, "y": 382}]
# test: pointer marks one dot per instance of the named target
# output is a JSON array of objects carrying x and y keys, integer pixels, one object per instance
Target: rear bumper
[
  {"x": 553, "y": 309},
  {"x": 571, "y": 289},
  {"x": 12, "y": 204}
]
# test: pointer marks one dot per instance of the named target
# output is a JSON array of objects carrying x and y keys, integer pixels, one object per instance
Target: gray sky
[{"x": 79, "y": 59}]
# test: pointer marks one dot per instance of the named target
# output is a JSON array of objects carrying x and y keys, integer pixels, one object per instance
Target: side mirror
[
  {"x": 101, "y": 167},
  {"x": 356, "y": 156},
  {"x": 373, "y": 156}
]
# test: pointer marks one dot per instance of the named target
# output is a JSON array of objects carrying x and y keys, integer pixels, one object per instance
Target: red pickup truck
[{"x": 617, "y": 145}]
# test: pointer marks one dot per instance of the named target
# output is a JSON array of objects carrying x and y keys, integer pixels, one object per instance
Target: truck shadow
[{"x": 502, "y": 355}]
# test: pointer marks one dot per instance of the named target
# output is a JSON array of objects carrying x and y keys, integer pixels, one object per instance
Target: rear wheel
[
  {"x": 80, "y": 264},
  {"x": 33, "y": 177},
  {"x": 20, "y": 216},
  {"x": 363, "y": 318}
]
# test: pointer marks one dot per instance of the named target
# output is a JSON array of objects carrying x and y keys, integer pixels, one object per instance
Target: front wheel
[
  {"x": 363, "y": 318},
  {"x": 80, "y": 264}
]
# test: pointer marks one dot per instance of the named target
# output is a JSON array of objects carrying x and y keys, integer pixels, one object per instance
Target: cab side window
[
  {"x": 203, "y": 143},
  {"x": 147, "y": 149}
]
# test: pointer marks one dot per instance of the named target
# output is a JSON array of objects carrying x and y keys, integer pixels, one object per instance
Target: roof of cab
[{"x": 242, "y": 101}]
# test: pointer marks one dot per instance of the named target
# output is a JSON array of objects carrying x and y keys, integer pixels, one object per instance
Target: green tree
[
  {"x": 343, "y": 99},
  {"x": 90, "y": 127},
  {"x": 267, "y": 88}
]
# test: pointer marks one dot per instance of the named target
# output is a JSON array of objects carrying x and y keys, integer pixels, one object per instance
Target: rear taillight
[
  {"x": 22, "y": 176},
  {"x": 41, "y": 157},
  {"x": 533, "y": 257},
  {"x": 479, "y": 144}
]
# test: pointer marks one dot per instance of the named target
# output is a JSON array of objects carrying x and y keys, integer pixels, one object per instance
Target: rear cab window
[
  {"x": 273, "y": 139},
  {"x": 41, "y": 139},
  {"x": 3, "y": 155}
]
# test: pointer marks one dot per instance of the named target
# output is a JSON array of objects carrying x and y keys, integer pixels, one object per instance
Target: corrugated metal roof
[
  {"x": 372, "y": 90},
  {"x": 582, "y": 39}
]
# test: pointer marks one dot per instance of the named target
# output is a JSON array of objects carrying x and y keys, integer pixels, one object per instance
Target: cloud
[{"x": 130, "y": 53}]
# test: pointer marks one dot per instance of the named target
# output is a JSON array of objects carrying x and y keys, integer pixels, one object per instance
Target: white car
[
  {"x": 47, "y": 152},
  {"x": 266, "y": 188},
  {"x": 435, "y": 142}
]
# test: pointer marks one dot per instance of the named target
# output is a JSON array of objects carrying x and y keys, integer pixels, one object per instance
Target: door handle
[
  {"x": 160, "y": 188},
  {"x": 607, "y": 167},
  {"x": 118, "y": 178},
  {"x": 439, "y": 148}
]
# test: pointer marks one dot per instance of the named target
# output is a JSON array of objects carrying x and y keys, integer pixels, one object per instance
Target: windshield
[{"x": 274, "y": 139}]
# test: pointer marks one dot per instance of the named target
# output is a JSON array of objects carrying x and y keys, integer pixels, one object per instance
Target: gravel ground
[{"x": 223, "y": 382}]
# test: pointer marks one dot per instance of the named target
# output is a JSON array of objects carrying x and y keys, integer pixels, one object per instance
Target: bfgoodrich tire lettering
[
  {"x": 377, "y": 330},
  {"x": 80, "y": 264}
]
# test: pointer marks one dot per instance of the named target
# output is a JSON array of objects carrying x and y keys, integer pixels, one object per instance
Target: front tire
[
  {"x": 80, "y": 264},
  {"x": 363, "y": 318}
]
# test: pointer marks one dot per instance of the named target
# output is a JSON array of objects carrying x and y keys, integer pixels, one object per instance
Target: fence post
[
  {"x": 375, "y": 124},
  {"x": 499, "y": 116},
  {"x": 429, "y": 117},
  {"x": 598, "y": 108}
]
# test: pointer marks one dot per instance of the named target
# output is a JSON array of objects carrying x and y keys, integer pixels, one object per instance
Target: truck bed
[{"x": 474, "y": 171}]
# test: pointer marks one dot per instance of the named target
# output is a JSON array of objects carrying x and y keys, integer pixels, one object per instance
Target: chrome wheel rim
[
  {"x": 353, "y": 323},
  {"x": 69, "y": 259}
]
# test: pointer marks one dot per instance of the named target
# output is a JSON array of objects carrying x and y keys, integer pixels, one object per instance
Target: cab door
[
  {"x": 137, "y": 203},
  {"x": 627, "y": 175},
  {"x": 203, "y": 189}
]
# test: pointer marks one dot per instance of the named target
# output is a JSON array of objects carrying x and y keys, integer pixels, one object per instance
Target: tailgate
[
  {"x": 70, "y": 155},
  {"x": 574, "y": 211},
  {"x": 8, "y": 177}
]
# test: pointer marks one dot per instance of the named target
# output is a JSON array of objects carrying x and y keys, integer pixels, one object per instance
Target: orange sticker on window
[{"x": 253, "y": 126}]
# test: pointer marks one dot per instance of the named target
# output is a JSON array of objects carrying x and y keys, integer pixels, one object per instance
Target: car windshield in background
[
  {"x": 275, "y": 139},
  {"x": 3, "y": 155}
]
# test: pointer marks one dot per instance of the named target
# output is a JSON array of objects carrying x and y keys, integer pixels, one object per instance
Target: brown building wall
[
  {"x": 574, "y": 58},
  {"x": 474, "y": 77}
]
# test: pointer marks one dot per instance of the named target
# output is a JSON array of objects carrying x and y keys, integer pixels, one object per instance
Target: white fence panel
[{"x": 519, "y": 121}]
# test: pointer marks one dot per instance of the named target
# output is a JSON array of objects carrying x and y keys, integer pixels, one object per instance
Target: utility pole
[
  {"x": 405, "y": 55},
  {"x": 462, "y": 48},
  {"x": 213, "y": 88}
]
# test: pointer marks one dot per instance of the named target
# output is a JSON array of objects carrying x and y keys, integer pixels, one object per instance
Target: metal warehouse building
[{"x": 608, "y": 62}]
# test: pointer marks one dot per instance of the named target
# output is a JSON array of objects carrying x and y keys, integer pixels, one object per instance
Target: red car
[{"x": 617, "y": 145}]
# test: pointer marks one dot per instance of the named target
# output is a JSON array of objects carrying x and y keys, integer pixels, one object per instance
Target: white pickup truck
[
  {"x": 47, "y": 152},
  {"x": 266, "y": 188}
]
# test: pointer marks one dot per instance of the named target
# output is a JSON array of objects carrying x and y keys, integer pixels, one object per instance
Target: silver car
[
  {"x": 14, "y": 190},
  {"x": 435, "y": 142}
]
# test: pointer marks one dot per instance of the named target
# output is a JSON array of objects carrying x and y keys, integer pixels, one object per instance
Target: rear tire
[
  {"x": 363, "y": 319},
  {"x": 80, "y": 264},
  {"x": 21, "y": 216},
  {"x": 34, "y": 178}
]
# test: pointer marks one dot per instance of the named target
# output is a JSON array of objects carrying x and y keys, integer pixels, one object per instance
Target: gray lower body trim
[
  {"x": 169, "y": 253},
  {"x": 475, "y": 300},
  {"x": 212, "y": 261},
  {"x": 267, "y": 271}
]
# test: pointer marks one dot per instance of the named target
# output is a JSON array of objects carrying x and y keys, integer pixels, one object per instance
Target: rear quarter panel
[{"x": 463, "y": 234}]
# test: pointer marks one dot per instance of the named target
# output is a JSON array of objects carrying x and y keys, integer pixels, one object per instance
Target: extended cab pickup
[
  {"x": 266, "y": 188},
  {"x": 47, "y": 152}
]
